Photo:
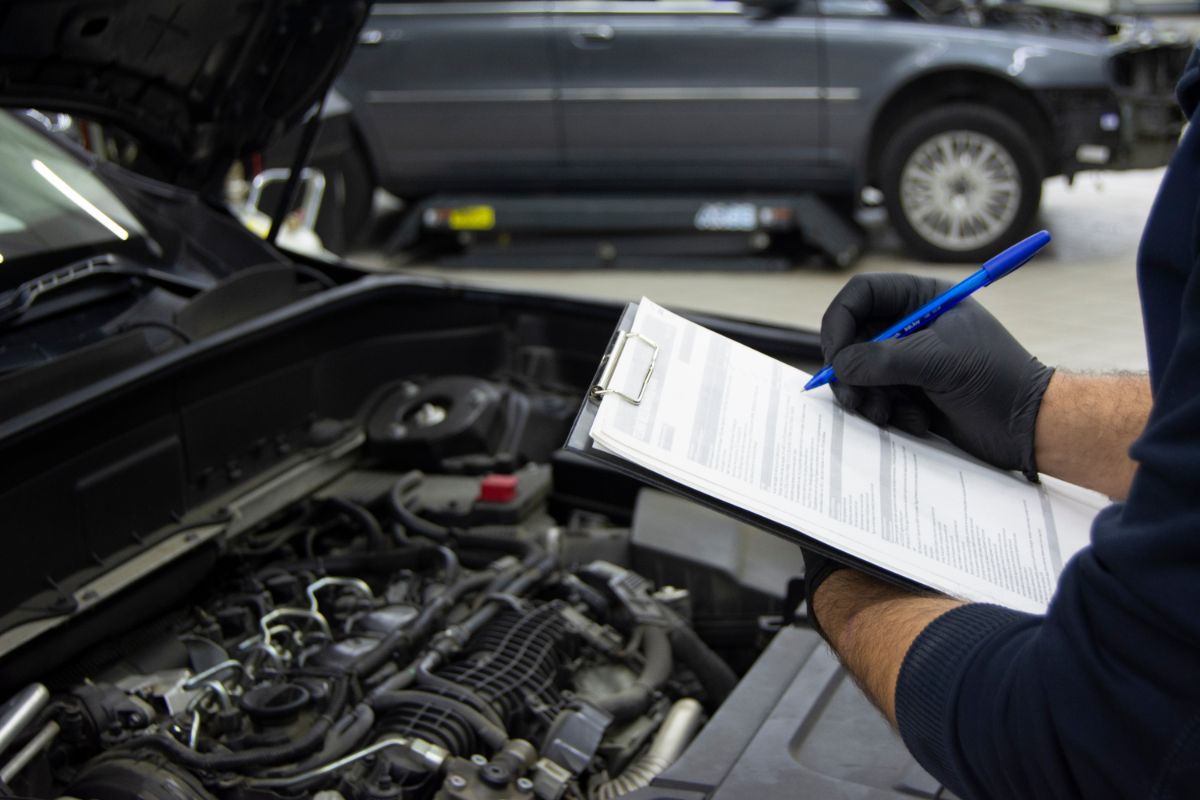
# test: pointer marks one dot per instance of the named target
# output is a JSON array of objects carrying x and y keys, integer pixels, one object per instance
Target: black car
[{"x": 276, "y": 529}]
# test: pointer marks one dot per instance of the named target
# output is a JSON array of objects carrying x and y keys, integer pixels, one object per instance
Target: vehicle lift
[{"x": 663, "y": 232}]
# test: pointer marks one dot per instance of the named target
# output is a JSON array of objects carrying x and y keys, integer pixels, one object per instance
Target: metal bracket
[{"x": 610, "y": 366}]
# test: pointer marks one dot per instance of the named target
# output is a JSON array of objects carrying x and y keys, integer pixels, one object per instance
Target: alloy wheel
[{"x": 960, "y": 190}]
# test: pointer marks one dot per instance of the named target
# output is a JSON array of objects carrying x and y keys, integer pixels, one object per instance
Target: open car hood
[
  {"x": 195, "y": 83},
  {"x": 1038, "y": 17}
]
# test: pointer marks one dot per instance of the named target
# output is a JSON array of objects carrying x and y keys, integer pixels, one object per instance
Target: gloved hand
[
  {"x": 816, "y": 569},
  {"x": 964, "y": 376}
]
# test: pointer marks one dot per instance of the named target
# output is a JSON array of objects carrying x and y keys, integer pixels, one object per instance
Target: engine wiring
[{"x": 370, "y": 653}]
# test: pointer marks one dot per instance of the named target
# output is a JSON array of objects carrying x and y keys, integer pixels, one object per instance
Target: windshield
[{"x": 50, "y": 201}]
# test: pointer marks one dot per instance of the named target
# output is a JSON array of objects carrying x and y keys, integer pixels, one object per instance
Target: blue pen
[{"x": 993, "y": 270}]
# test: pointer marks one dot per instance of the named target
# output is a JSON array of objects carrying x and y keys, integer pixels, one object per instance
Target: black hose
[
  {"x": 413, "y": 523},
  {"x": 492, "y": 734},
  {"x": 537, "y": 566},
  {"x": 341, "y": 739},
  {"x": 713, "y": 673},
  {"x": 273, "y": 755},
  {"x": 629, "y": 703},
  {"x": 515, "y": 581},
  {"x": 419, "y": 628},
  {"x": 594, "y": 600},
  {"x": 376, "y": 541},
  {"x": 441, "y": 534},
  {"x": 476, "y": 560},
  {"x": 422, "y": 626},
  {"x": 400, "y": 679},
  {"x": 376, "y": 657},
  {"x": 503, "y": 579},
  {"x": 453, "y": 569}
]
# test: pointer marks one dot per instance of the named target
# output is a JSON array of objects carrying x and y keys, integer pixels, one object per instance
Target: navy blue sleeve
[{"x": 1101, "y": 696}]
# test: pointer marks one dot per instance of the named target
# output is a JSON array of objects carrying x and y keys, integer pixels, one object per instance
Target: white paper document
[{"x": 735, "y": 424}]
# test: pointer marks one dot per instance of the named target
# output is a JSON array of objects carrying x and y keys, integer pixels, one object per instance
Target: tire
[{"x": 960, "y": 182}]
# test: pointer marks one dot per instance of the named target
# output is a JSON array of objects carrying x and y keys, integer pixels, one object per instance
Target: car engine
[{"x": 422, "y": 626}]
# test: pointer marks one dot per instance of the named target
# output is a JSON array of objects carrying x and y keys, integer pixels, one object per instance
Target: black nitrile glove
[
  {"x": 816, "y": 569},
  {"x": 964, "y": 376}
]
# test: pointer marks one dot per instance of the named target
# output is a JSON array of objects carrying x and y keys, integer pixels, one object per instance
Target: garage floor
[{"x": 1075, "y": 306}]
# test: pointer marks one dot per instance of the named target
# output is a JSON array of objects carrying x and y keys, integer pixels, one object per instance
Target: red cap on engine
[{"x": 498, "y": 488}]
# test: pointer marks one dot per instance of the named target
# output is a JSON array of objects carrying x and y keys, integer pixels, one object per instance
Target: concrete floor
[{"x": 1075, "y": 305}]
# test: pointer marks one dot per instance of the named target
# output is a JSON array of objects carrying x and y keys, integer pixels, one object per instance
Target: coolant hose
[
  {"x": 717, "y": 678},
  {"x": 493, "y": 735},
  {"x": 628, "y": 703}
]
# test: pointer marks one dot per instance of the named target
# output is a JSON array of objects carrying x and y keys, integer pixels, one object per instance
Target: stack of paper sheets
[{"x": 732, "y": 423}]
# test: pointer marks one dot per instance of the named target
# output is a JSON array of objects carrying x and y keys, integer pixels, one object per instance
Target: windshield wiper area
[{"x": 16, "y": 302}]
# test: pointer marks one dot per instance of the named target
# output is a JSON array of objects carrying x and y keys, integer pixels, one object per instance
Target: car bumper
[
  {"x": 1152, "y": 122},
  {"x": 1150, "y": 132},
  {"x": 1134, "y": 125}
]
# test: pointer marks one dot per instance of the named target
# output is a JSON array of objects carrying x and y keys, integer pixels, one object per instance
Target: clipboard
[{"x": 579, "y": 441}]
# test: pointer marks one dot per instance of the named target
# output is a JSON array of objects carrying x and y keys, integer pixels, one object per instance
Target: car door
[
  {"x": 455, "y": 94},
  {"x": 672, "y": 92}
]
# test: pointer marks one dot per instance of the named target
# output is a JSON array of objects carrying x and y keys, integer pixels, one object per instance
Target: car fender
[{"x": 1022, "y": 66}]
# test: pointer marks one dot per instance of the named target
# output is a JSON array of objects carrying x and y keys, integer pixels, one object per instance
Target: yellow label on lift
[{"x": 472, "y": 218}]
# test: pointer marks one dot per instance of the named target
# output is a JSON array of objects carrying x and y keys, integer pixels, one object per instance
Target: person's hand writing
[{"x": 964, "y": 376}]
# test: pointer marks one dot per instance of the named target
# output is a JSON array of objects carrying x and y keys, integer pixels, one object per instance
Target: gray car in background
[{"x": 954, "y": 113}]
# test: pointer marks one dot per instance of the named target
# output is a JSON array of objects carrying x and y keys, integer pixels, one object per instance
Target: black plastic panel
[{"x": 795, "y": 726}]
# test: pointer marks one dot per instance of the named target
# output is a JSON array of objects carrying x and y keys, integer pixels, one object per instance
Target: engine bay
[
  {"x": 339, "y": 552},
  {"x": 421, "y": 626}
]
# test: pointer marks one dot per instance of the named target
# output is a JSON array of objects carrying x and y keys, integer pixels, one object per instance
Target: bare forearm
[
  {"x": 1085, "y": 427},
  {"x": 871, "y": 625}
]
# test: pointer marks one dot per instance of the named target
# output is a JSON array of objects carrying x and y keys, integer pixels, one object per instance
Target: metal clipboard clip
[{"x": 610, "y": 366}]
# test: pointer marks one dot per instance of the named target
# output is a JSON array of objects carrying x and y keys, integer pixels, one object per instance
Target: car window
[{"x": 49, "y": 200}]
